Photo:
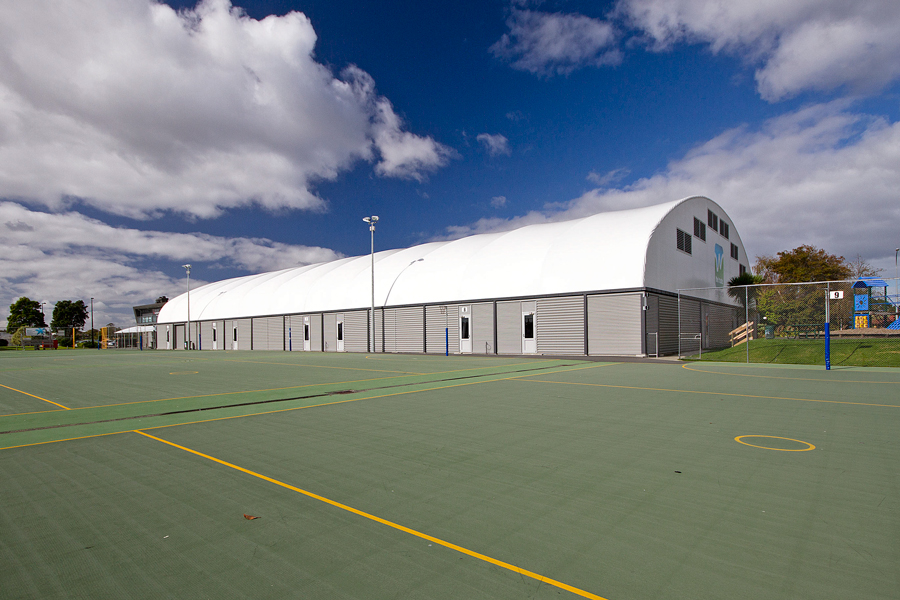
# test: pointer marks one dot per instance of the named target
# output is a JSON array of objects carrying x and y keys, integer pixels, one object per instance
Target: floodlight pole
[
  {"x": 897, "y": 282},
  {"x": 187, "y": 268},
  {"x": 92, "y": 322},
  {"x": 371, "y": 221}
]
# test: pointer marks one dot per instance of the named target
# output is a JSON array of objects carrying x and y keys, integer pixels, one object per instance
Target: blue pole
[
  {"x": 827, "y": 327},
  {"x": 447, "y": 341},
  {"x": 289, "y": 340}
]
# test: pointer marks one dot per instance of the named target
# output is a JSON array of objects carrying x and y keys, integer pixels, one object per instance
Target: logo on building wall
[{"x": 720, "y": 266}]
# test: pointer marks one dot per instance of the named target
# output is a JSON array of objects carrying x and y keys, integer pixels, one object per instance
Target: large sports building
[{"x": 600, "y": 285}]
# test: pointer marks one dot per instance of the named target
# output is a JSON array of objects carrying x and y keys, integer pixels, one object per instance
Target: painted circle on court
[
  {"x": 740, "y": 440},
  {"x": 184, "y": 373}
]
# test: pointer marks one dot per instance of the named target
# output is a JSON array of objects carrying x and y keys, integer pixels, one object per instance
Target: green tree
[
  {"x": 802, "y": 264},
  {"x": 69, "y": 314},
  {"x": 24, "y": 312},
  {"x": 737, "y": 284}
]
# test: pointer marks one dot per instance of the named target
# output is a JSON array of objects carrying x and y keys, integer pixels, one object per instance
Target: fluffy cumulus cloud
[
  {"x": 823, "y": 175},
  {"x": 556, "y": 43},
  {"x": 794, "y": 46},
  {"x": 135, "y": 108},
  {"x": 799, "y": 45},
  {"x": 50, "y": 257},
  {"x": 494, "y": 144}
]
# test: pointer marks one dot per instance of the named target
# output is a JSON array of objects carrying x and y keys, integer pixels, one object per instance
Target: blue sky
[{"x": 244, "y": 137}]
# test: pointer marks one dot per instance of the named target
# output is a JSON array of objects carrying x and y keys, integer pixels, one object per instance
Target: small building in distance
[{"x": 604, "y": 284}]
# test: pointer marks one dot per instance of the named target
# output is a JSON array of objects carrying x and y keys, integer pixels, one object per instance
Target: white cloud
[
  {"x": 50, "y": 257},
  {"x": 498, "y": 201},
  {"x": 605, "y": 179},
  {"x": 136, "y": 109},
  {"x": 494, "y": 144},
  {"x": 800, "y": 45},
  {"x": 822, "y": 175},
  {"x": 556, "y": 43}
]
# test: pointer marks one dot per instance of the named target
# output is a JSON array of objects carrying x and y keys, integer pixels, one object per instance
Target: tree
[
  {"x": 861, "y": 268},
  {"x": 737, "y": 284},
  {"x": 69, "y": 314},
  {"x": 24, "y": 312},
  {"x": 802, "y": 264}
]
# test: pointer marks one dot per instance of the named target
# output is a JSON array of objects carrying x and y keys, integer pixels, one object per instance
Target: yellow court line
[
  {"x": 82, "y": 437},
  {"x": 787, "y": 378},
  {"x": 280, "y": 410},
  {"x": 33, "y": 396},
  {"x": 397, "y": 526},
  {"x": 631, "y": 387}
]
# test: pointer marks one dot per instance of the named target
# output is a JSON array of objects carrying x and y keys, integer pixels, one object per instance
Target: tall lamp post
[
  {"x": 897, "y": 283},
  {"x": 187, "y": 268},
  {"x": 371, "y": 221},
  {"x": 92, "y": 322}
]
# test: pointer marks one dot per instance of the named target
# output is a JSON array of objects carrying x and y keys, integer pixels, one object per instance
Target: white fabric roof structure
[
  {"x": 605, "y": 251},
  {"x": 137, "y": 329}
]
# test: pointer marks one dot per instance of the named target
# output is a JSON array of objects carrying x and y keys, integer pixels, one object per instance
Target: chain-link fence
[{"x": 786, "y": 323}]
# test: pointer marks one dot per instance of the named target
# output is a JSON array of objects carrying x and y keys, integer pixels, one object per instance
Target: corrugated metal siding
[
  {"x": 206, "y": 336},
  {"x": 275, "y": 338},
  {"x": 293, "y": 332},
  {"x": 690, "y": 323},
  {"x": 403, "y": 329},
  {"x": 261, "y": 333},
  {"x": 651, "y": 326},
  {"x": 315, "y": 333},
  {"x": 178, "y": 337},
  {"x": 355, "y": 335},
  {"x": 668, "y": 325},
  {"x": 509, "y": 327},
  {"x": 614, "y": 324},
  {"x": 439, "y": 317},
  {"x": 560, "y": 325},
  {"x": 244, "y": 328},
  {"x": 330, "y": 322},
  {"x": 720, "y": 325},
  {"x": 483, "y": 328}
]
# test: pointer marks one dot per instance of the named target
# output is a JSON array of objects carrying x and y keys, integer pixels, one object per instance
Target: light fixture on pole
[
  {"x": 92, "y": 322},
  {"x": 187, "y": 268},
  {"x": 371, "y": 221}
]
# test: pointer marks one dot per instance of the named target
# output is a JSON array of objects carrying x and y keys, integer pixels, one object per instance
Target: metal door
[
  {"x": 529, "y": 341},
  {"x": 215, "y": 342},
  {"x": 306, "y": 333},
  {"x": 465, "y": 329},
  {"x": 340, "y": 333}
]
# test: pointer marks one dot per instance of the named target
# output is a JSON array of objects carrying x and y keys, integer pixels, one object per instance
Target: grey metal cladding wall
[
  {"x": 560, "y": 325},
  {"x": 243, "y": 327},
  {"x": 355, "y": 324},
  {"x": 437, "y": 319},
  {"x": 261, "y": 333},
  {"x": 483, "y": 328},
  {"x": 330, "y": 341},
  {"x": 689, "y": 311},
  {"x": 293, "y": 332},
  {"x": 668, "y": 324},
  {"x": 315, "y": 332},
  {"x": 614, "y": 324},
  {"x": 275, "y": 339},
  {"x": 403, "y": 329},
  {"x": 720, "y": 325},
  {"x": 509, "y": 327},
  {"x": 205, "y": 340}
]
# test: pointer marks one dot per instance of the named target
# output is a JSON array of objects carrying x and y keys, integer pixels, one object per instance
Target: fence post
[
  {"x": 679, "y": 324},
  {"x": 827, "y": 326}
]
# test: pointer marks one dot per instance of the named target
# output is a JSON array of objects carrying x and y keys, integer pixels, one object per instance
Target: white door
[
  {"x": 529, "y": 340},
  {"x": 168, "y": 340},
  {"x": 215, "y": 342},
  {"x": 234, "y": 337},
  {"x": 465, "y": 329},
  {"x": 306, "y": 333},
  {"x": 340, "y": 333}
]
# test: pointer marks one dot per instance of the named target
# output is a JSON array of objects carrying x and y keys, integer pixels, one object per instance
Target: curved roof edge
[{"x": 608, "y": 250}]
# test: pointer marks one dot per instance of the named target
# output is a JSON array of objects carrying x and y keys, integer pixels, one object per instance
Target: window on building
[
  {"x": 464, "y": 328},
  {"x": 306, "y": 332},
  {"x": 683, "y": 241},
  {"x": 340, "y": 332},
  {"x": 743, "y": 269},
  {"x": 712, "y": 219},
  {"x": 723, "y": 229},
  {"x": 699, "y": 229},
  {"x": 735, "y": 253},
  {"x": 235, "y": 334},
  {"x": 214, "y": 334},
  {"x": 529, "y": 326}
]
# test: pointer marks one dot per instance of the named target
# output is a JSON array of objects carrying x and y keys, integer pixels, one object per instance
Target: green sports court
[{"x": 323, "y": 475}]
